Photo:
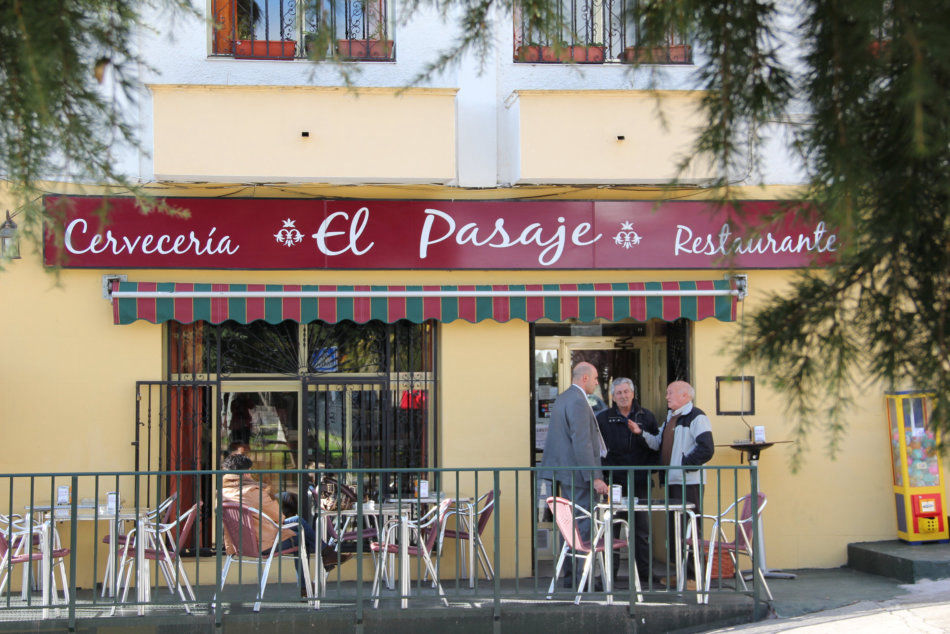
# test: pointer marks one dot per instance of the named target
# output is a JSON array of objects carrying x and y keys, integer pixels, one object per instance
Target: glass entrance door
[
  {"x": 611, "y": 363},
  {"x": 643, "y": 362},
  {"x": 614, "y": 357}
]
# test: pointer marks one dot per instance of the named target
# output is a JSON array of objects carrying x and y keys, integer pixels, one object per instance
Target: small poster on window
[
  {"x": 540, "y": 435},
  {"x": 547, "y": 392}
]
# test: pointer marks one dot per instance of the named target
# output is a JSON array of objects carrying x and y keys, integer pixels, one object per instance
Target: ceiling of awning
[{"x": 159, "y": 302}]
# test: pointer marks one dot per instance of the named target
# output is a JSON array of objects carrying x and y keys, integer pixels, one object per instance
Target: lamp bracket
[
  {"x": 107, "y": 281},
  {"x": 741, "y": 281}
]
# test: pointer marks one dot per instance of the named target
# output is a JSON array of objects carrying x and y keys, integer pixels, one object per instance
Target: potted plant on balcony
[
  {"x": 588, "y": 53},
  {"x": 365, "y": 35},
  {"x": 562, "y": 52},
  {"x": 669, "y": 54},
  {"x": 365, "y": 49},
  {"x": 247, "y": 47}
]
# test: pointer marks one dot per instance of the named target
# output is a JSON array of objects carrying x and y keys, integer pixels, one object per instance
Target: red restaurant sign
[{"x": 221, "y": 233}]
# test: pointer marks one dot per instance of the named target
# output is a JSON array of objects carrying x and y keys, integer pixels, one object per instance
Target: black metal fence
[{"x": 89, "y": 545}]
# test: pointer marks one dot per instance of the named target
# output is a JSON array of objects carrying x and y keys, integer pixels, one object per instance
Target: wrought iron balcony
[
  {"x": 594, "y": 32},
  {"x": 303, "y": 29}
]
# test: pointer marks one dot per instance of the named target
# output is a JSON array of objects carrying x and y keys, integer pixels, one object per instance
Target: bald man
[
  {"x": 574, "y": 440},
  {"x": 685, "y": 439}
]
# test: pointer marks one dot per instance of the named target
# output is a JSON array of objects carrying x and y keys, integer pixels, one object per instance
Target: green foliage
[
  {"x": 877, "y": 151},
  {"x": 67, "y": 67},
  {"x": 872, "y": 80}
]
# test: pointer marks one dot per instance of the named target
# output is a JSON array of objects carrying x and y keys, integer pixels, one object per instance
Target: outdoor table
[
  {"x": 466, "y": 514},
  {"x": 753, "y": 449},
  {"x": 379, "y": 515},
  {"x": 48, "y": 515},
  {"x": 603, "y": 518}
]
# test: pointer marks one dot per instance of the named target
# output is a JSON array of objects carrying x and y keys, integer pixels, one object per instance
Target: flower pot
[
  {"x": 365, "y": 49},
  {"x": 673, "y": 54},
  {"x": 265, "y": 49},
  {"x": 722, "y": 566},
  {"x": 579, "y": 54}
]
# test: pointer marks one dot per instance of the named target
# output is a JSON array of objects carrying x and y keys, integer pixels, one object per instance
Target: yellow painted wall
[
  {"x": 571, "y": 136},
  {"x": 229, "y": 132},
  {"x": 813, "y": 514},
  {"x": 67, "y": 378},
  {"x": 484, "y": 382},
  {"x": 67, "y": 375}
]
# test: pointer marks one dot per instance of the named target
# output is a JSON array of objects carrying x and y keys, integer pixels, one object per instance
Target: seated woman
[{"x": 244, "y": 489}]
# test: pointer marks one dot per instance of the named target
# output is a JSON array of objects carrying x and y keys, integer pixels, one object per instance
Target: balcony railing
[
  {"x": 596, "y": 31},
  {"x": 301, "y": 29},
  {"x": 82, "y": 532}
]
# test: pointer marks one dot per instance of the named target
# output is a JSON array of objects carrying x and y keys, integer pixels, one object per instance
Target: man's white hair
[{"x": 622, "y": 380}]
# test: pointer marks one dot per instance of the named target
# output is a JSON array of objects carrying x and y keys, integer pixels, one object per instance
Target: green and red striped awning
[{"x": 158, "y": 302}]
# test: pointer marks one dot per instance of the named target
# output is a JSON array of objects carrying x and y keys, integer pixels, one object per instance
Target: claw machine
[{"x": 917, "y": 471}]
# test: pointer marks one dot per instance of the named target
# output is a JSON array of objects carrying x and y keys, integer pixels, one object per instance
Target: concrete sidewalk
[{"x": 845, "y": 600}]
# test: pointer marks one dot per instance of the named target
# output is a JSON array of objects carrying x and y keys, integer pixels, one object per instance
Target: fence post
[
  {"x": 73, "y": 510},
  {"x": 360, "y": 524},
  {"x": 757, "y": 606},
  {"x": 219, "y": 531},
  {"x": 631, "y": 545},
  {"x": 496, "y": 578}
]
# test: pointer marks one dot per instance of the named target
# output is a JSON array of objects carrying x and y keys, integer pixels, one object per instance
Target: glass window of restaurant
[{"x": 326, "y": 395}]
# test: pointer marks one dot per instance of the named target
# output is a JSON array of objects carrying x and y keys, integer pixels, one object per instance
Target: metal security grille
[
  {"x": 368, "y": 393},
  {"x": 173, "y": 432},
  {"x": 595, "y": 31},
  {"x": 288, "y": 29}
]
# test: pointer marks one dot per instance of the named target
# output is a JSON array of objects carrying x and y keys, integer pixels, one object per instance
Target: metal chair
[
  {"x": 566, "y": 514},
  {"x": 741, "y": 543},
  {"x": 165, "y": 510},
  {"x": 162, "y": 545},
  {"x": 423, "y": 534},
  {"x": 241, "y": 524},
  {"x": 21, "y": 543},
  {"x": 484, "y": 505}
]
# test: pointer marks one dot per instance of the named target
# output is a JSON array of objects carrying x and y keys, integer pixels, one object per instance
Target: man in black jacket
[{"x": 625, "y": 449}]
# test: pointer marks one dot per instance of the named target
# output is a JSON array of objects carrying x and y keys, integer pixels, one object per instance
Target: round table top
[{"x": 751, "y": 446}]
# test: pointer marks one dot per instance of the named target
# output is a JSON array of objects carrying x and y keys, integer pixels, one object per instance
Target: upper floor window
[
  {"x": 301, "y": 29},
  {"x": 596, "y": 31}
]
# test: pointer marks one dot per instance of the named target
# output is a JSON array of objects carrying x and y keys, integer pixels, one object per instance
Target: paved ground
[
  {"x": 839, "y": 600},
  {"x": 843, "y": 600}
]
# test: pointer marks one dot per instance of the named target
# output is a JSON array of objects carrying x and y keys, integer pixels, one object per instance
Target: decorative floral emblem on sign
[
  {"x": 288, "y": 235},
  {"x": 627, "y": 237}
]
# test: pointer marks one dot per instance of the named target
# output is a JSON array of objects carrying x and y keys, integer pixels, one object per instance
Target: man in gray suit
[{"x": 574, "y": 440}]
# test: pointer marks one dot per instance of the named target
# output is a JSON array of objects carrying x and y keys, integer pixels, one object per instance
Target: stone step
[{"x": 909, "y": 563}]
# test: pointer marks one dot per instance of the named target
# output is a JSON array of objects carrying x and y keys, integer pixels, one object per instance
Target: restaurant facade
[{"x": 394, "y": 287}]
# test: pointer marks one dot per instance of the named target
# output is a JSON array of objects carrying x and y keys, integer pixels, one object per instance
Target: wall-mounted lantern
[{"x": 9, "y": 241}]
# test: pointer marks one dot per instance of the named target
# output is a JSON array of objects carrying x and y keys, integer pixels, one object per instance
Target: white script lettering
[
  {"x": 77, "y": 241},
  {"x": 497, "y": 236},
  {"x": 357, "y": 226},
  {"x": 818, "y": 241}
]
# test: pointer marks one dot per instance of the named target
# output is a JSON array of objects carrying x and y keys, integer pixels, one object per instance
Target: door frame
[{"x": 652, "y": 351}]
